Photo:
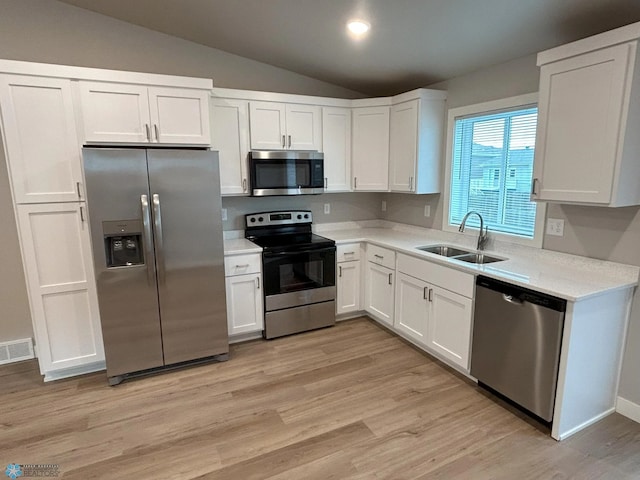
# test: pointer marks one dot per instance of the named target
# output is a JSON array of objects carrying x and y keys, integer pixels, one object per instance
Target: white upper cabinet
[
  {"x": 336, "y": 143},
  {"x": 280, "y": 126},
  {"x": 589, "y": 115},
  {"x": 123, "y": 113},
  {"x": 370, "y": 147},
  {"x": 230, "y": 137},
  {"x": 41, "y": 141},
  {"x": 416, "y": 132}
]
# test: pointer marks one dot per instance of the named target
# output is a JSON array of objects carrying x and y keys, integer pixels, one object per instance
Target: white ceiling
[{"x": 412, "y": 43}]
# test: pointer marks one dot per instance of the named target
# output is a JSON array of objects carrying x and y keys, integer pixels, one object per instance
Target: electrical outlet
[
  {"x": 224, "y": 214},
  {"x": 327, "y": 208},
  {"x": 555, "y": 226},
  {"x": 384, "y": 206},
  {"x": 427, "y": 210}
]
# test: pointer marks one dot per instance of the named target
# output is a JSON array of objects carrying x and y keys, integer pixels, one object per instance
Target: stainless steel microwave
[{"x": 286, "y": 172}]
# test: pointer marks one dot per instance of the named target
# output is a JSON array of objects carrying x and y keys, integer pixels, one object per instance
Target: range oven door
[{"x": 298, "y": 278}]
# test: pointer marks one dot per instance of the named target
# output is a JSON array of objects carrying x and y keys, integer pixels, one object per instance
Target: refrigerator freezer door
[
  {"x": 186, "y": 203},
  {"x": 119, "y": 203}
]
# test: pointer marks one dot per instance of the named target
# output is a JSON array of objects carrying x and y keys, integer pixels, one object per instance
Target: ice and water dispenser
[{"x": 123, "y": 243}]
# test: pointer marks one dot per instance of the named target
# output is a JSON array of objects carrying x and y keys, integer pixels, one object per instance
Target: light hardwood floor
[{"x": 349, "y": 402}]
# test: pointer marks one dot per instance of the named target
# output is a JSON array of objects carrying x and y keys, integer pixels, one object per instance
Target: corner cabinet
[
  {"x": 284, "y": 126},
  {"x": 415, "y": 145},
  {"x": 64, "y": 302},
  {"x": 370, "y": 149},
  {"x": 124, "y": 113},
  {"x": 42, "y": 146},
  {"x": 245, "y": 311},
  {"x": 589, "y": 114},
  {"x": 230, "y": 137}
]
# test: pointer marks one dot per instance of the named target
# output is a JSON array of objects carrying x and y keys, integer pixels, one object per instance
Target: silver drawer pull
[
  {"x": 378, "y": 256},
  {"x": 349, "y": 253},
  {"x": 242, "y": 266}
]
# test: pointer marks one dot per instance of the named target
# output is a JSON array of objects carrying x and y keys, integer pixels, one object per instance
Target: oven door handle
[{"x": 295, "y": 252}]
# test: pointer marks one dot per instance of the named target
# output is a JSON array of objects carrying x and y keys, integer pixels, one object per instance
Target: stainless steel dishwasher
[{"x": 517, "y": 335}]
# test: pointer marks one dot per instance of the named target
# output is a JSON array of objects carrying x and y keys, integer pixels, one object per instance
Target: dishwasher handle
[{"x": 516, "y": 294}]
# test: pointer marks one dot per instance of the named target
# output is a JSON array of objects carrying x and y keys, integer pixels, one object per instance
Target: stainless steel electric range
[{"x": 299, "y": 272}]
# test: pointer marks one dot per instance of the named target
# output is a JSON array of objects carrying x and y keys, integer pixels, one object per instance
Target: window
[{"x": 491, "y": 166}]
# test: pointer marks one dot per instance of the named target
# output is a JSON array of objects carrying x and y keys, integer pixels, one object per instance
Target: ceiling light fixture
[{"x": 358, "y": 27}]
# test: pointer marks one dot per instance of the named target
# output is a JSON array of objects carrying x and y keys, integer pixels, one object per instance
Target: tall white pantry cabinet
[
  {"x": 44, "y": 160},
  {"x": 43, "y": 126}
]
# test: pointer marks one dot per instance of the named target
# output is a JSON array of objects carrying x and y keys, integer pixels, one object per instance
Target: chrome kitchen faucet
[{"x": 483, "y": 234}]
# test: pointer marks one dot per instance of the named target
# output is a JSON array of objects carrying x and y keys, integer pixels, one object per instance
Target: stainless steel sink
[
  {"x": 478, "y": 258},
  {"x": 444, "y": 250}
]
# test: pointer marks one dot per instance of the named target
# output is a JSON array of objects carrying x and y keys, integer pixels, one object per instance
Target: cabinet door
[
  {"x": 579, "y": 120},
  {"x": 379, "y": 293},
  {"x": 348, "y": 291},
  {"x": 230, "y": 137},
  {"x": 244, "y": 304},
  {"x": 179, "y": 116},
  {"x": 412, "y": 307},
  {"x": 336, "y": 145},
  {"x": 371, "y": 149},
  {"x": 267, "y": 126},
  {"x": 56, "y": 250},
  {"x": 304, "y": 127},
  {"x": 115, "y": 113},
  {"x": 41, "y": 142},
  {"x": 403, "y": 147},
  {"x": 450, "y": 325}
]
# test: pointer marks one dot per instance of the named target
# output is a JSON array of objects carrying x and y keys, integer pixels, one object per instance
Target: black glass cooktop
[{"x": 292, "y": 242}]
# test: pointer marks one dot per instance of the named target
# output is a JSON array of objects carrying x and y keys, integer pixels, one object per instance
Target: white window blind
[{"x": 491, "y": 170}]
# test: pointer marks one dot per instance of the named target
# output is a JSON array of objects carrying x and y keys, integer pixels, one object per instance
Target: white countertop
[{"x": 566, "y": 276}]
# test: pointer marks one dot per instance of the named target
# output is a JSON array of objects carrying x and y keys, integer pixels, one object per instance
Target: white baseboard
[
  {"x": 75, "y": 371},
  {"x": 628, "y": 409}
]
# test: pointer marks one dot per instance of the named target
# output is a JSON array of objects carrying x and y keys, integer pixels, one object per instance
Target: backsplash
[{"x": 343, "y": 207}]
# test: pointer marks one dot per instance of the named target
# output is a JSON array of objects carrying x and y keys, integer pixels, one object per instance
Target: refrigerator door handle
[
  {"x": 146, "y": 238},
  {"x": 157, "y": 233}
]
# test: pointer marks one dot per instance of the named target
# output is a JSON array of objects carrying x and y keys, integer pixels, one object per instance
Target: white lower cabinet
[
  {"x": 379, "y": 292},
  {"x": 412, "y": 307},
  {"x": 244, "y": 294},
  {"x": 348, "y": 287},
  {"x": 56, "y": 250}
]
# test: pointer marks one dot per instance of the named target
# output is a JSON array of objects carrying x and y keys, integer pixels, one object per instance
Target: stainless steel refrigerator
[{"x": 156, "y": 231}]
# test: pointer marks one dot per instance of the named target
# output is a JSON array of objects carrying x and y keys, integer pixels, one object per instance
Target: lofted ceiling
[{"x": 412, "y": 43}]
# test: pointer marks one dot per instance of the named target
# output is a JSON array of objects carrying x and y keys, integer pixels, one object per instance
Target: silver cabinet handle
[
  {"x": 410, "y": 184},
  {"x": 157, "y": 233},
  {"x": 258, "y": 283},
  {"x": 431, "y": 294},
  {"x": 82, "y": 214},
  {"x": 355, "y": 182},
  {"x": 325, "y": 183},
  {"x": 349, "y": 253},
  {"x": 533, "y": 186},
  {"x": 390, "y": 275},
  {"x": 424, "y": 292},
  {"x": 340, "y": 270},
  {"x": 244, "y": 184},
  {"x": 146, "y": 128},
  {"x": 283, "y": 142},
  {"x": 78, "y": 189},
  {"x": 146, "y": 238},
  {"x": 289, "y": 141},
  {"x": 156, "y": 129},
  {"x": 378, "y": 256},
  {"x": 246, "y": 265}
]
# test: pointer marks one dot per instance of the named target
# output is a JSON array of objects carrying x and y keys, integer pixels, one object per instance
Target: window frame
[{"x": 510, "y": 103}]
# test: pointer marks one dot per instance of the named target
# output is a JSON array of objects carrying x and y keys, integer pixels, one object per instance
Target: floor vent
[{"x": 16, "y": 351}]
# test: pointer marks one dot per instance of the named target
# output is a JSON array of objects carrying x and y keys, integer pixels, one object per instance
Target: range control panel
[{"x": 294, "y": 217}]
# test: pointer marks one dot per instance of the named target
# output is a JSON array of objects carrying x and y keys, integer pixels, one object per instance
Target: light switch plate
[
  {"x": 224, "y": 214},
  {"x": 427, "y": 210},
  {"x": 327, "y": 208},
  {"x": 384, "y": 206},
  {"x": 555, "y": 226}
]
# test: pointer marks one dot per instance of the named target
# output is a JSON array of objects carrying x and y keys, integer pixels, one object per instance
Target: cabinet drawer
[
  {"x": 348, "y": 252},
  {"x": 242, "y": 264},
  {"x": 445, "y": 277},
  {"x": 381, "y": 256}
]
